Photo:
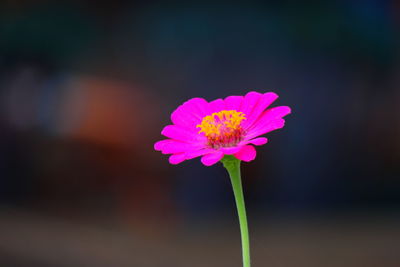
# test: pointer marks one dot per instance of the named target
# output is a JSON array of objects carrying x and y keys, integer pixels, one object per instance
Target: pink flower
[{"x": 229, "y": 126}]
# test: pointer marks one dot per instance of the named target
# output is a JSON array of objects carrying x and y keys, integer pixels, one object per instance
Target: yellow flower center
[{"x": 223, "y": 129}]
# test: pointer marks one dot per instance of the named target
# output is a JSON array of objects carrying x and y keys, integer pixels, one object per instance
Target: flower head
[{"x": 229, "y": 126}]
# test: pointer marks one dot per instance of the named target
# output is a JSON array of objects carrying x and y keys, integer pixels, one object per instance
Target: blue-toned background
[{"x": 86, "y": 87}]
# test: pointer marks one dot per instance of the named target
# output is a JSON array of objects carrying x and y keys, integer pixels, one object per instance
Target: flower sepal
[{"x": 230, "y": 162}]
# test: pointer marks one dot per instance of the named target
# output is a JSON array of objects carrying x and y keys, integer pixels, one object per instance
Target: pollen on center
[{"x": 222, "y": 128}]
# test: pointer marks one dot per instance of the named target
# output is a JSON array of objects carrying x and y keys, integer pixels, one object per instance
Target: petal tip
[
  {"x": 247, "y": 153},
  {"x": 212, "y": 158},
  {"x": 271, "y": 94},
  {"x": 176, "y": 159},
  {"x": 158, "y": 145}
]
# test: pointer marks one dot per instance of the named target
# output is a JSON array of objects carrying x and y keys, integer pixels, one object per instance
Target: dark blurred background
[{"x": 86, "y": 87}]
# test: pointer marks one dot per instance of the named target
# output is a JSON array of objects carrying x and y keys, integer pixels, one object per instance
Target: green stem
[{"x": 232, "y": 165}]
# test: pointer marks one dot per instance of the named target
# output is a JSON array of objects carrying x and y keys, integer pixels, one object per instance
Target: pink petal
[
  {"x": 216, "y": 106},
  {"x": 183, "y": 134},
  {"x": 270, "y": 120},
  {"x": 212, "y": 158},
  {"x": 247, "y": 153},
  {"x": 263, "y": 102},
  {"x": 158, "y": 145},
  {"x": 197, "y": 153},
  {"x": 249, "y": 102},
  {"x": 233, "y": 102},
  {"x": 230, "y": 150},
  {"x": 176, "y": 158},
  {"x": 190, "y": 113},
  {"x": 256, "y": 141},
  {"x": 170, "y": 146}
]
